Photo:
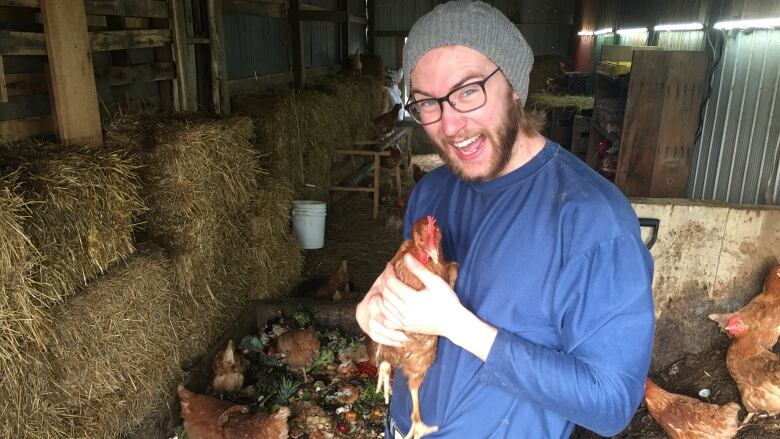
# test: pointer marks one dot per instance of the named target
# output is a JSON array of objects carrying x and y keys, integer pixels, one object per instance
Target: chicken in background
[
  {"x": 228, "y": 369},
  {"x": 417, "y": 173},
  {"x": 354, "y": 62},
  {"x": 755, "y": 369},
  {"x": 385, "y": 123},
  {"x": 395, "y": 216},
  {"x": 418, "y": 353},
  {"x": 210, "y": 418},
  {"x": 762, "y": 314},
  {"x": 300, "y": 346},
  {"x": 337, "y": 286},
  {"x": 683, "y": 417}
]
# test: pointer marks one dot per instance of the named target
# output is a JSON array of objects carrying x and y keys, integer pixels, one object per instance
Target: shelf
[{"x": 612, "y": 137}]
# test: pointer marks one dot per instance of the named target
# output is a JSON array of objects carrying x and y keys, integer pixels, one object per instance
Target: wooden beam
[
  {"x": 70, "y": 69},
  {"x": 124, "y": 75},
  {"x": 18, "y": 129},
  {"x": 257, "y": 8},
  {"x": 344, "y": 30},
  {"x": 357, "y": 19},
  {"x": 185, "y": 86},
  {"x": 21, "y": 3},
  {"x": 22, "y": 43},
  {"x": 22, "y": 84},
  {"x": 219, "y": 75},
  {"x": 296, "y": 44},
  {"x": 129, "y": 39},
  {"x": 128, "y": 8},
  {"x": 3, "y": 87},
  {"x": 165, "y": 55},
  {"x": 371, "y": 26}
]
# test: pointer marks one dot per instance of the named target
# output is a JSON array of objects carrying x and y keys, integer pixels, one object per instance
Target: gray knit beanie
[{"x": 476, "y": 25}]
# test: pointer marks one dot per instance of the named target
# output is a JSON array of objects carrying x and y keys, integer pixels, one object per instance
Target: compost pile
[{"x": 337, "y": 398}]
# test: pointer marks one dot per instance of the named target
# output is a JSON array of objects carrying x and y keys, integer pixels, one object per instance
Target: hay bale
[
  {"x": 117, "y": 349},
  {"x": 27, "y": 395},
  {"x": 298, "y": 131},
  {"x": 373, "y": 66},
  {"x": 276, "y": 256},
  {"x": 545, "y": 102},
  {"x": 195, "y": 169},
  {"x": 545, "y": 66},
  {"x": 83, "y": 205},
  {"x": 22, "y": 322}
]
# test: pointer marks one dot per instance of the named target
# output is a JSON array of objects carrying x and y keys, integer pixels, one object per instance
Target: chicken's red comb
[{"x": 734, "y": 320}]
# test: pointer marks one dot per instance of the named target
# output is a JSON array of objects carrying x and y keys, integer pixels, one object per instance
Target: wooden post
[
  {"x": 371, "y": 43},
  {"x": 72, "y": 76},
  {"x": 377, "y": 170},
  {"x": 164, "y": 54},
  {"x": 219, "y": 78},
  {"x": 3, "y": 88},
  {"x": 344, "y": 6},
  {"x": 296, "y": 43},
  {"x": 184, "y": 54}
]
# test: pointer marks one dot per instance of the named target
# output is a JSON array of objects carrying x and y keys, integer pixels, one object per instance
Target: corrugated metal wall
[
  {"x": 737, "y": 158},
  {"x": 681, "y": 40},
  {"x": 396, "y": 15},
  {"x": 256, "y": 46}
]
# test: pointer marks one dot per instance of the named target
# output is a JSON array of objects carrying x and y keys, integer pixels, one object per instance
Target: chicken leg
[
  {"x": 419, "y": 428},
  {"x": 383, "y": 380}
]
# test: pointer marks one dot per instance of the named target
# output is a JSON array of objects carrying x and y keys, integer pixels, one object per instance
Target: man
[{"x": 550, "y": 323}]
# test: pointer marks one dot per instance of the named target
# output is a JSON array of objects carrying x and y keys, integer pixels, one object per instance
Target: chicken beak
[{"x": 434, "y": 255}]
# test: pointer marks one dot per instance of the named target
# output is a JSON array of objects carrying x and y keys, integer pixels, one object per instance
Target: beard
[{"x": 502, "y": 140}]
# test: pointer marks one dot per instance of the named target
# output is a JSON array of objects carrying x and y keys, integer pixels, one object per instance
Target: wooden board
[
  {"x": 296, "y": 45},
  {"x": 18, "y": 129},
  {"x": 128, "y": 8},
  {"x": 685, "y": 88},
  {"x": 184, "y": 56},
  {"x": 129, "y": 39},
  {"x": 21, "y": 3},
  {"x": 125, "y": 75},
  {"x": 3, "y": 86},
  {"x": 219, "y": 76},
  {"x": 74, "y": 93},
  {"x": 641, "y": 122},
  {"x": 22, "y": 43}
]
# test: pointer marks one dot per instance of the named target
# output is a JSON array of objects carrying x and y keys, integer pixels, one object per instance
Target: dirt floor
[{"x": 367, "y": 245}]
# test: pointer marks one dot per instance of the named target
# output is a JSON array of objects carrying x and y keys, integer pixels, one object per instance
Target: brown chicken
[
  {"x": 684, "y": 417},
  {"x": 210, "y": 418},
  {"x": 762, "y": 314},
  {"x": 417, "y": 355},
  {"x": 385, "y": 123},
  {"x": 417, "y": 173},
  {"x": 300, "y": 346},
  {"x": 337, "y": 286},
  {"x": 228, "y": 369},
  {"x": 755, "y": 369}
]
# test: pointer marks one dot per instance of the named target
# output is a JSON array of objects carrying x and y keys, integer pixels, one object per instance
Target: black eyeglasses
[{"x": 463, "y": 99}]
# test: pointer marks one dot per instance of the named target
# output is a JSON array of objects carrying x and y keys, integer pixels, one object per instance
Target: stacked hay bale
[
  {"x": 68, "y": 215},
  {"x": 118, "y": 349},
  {"x": 298, "y": 131},
  {"x": 199, "y": 180}
]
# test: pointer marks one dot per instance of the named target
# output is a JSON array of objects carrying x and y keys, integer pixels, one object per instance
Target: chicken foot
[
  {"x": 383, "y": 380},
  {"x": 418, "y": 429}
]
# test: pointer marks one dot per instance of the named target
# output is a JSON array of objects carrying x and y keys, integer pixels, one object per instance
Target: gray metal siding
[
  {"x": 399, "y": 14},
  {"x": 736, "y": 159},
  {"x": 681, "y": 40},
  {"x": 256, "y": 46}
]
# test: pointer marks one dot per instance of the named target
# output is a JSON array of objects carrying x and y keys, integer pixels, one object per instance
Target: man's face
[{"x": 477, "y": 145}]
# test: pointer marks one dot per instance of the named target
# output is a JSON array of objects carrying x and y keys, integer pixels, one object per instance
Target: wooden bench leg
[{"x": 377, "y": 170}]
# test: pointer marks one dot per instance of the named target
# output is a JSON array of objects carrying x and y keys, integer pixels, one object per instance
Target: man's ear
[{"x": 515, "y": 96}]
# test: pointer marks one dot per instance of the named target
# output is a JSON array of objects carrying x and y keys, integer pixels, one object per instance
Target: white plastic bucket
[{"x": 309, "y": 223}]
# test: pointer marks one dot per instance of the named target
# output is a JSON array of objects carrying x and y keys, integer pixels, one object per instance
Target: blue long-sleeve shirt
[{"x": 551, "y": 255}]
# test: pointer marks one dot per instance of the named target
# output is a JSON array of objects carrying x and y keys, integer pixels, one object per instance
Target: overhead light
[
  {"x": 680, "y": 26},
  {"x": 584, "y": 33},
  {"x": 749, "y": 24},
  {"x": 632, "y": 31},
  {"x": 603, "y": 31}
]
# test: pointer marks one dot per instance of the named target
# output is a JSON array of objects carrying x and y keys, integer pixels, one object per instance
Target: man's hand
[
  {"x": 371, "y": 318},
  {"x": 413, "y": 311}
]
